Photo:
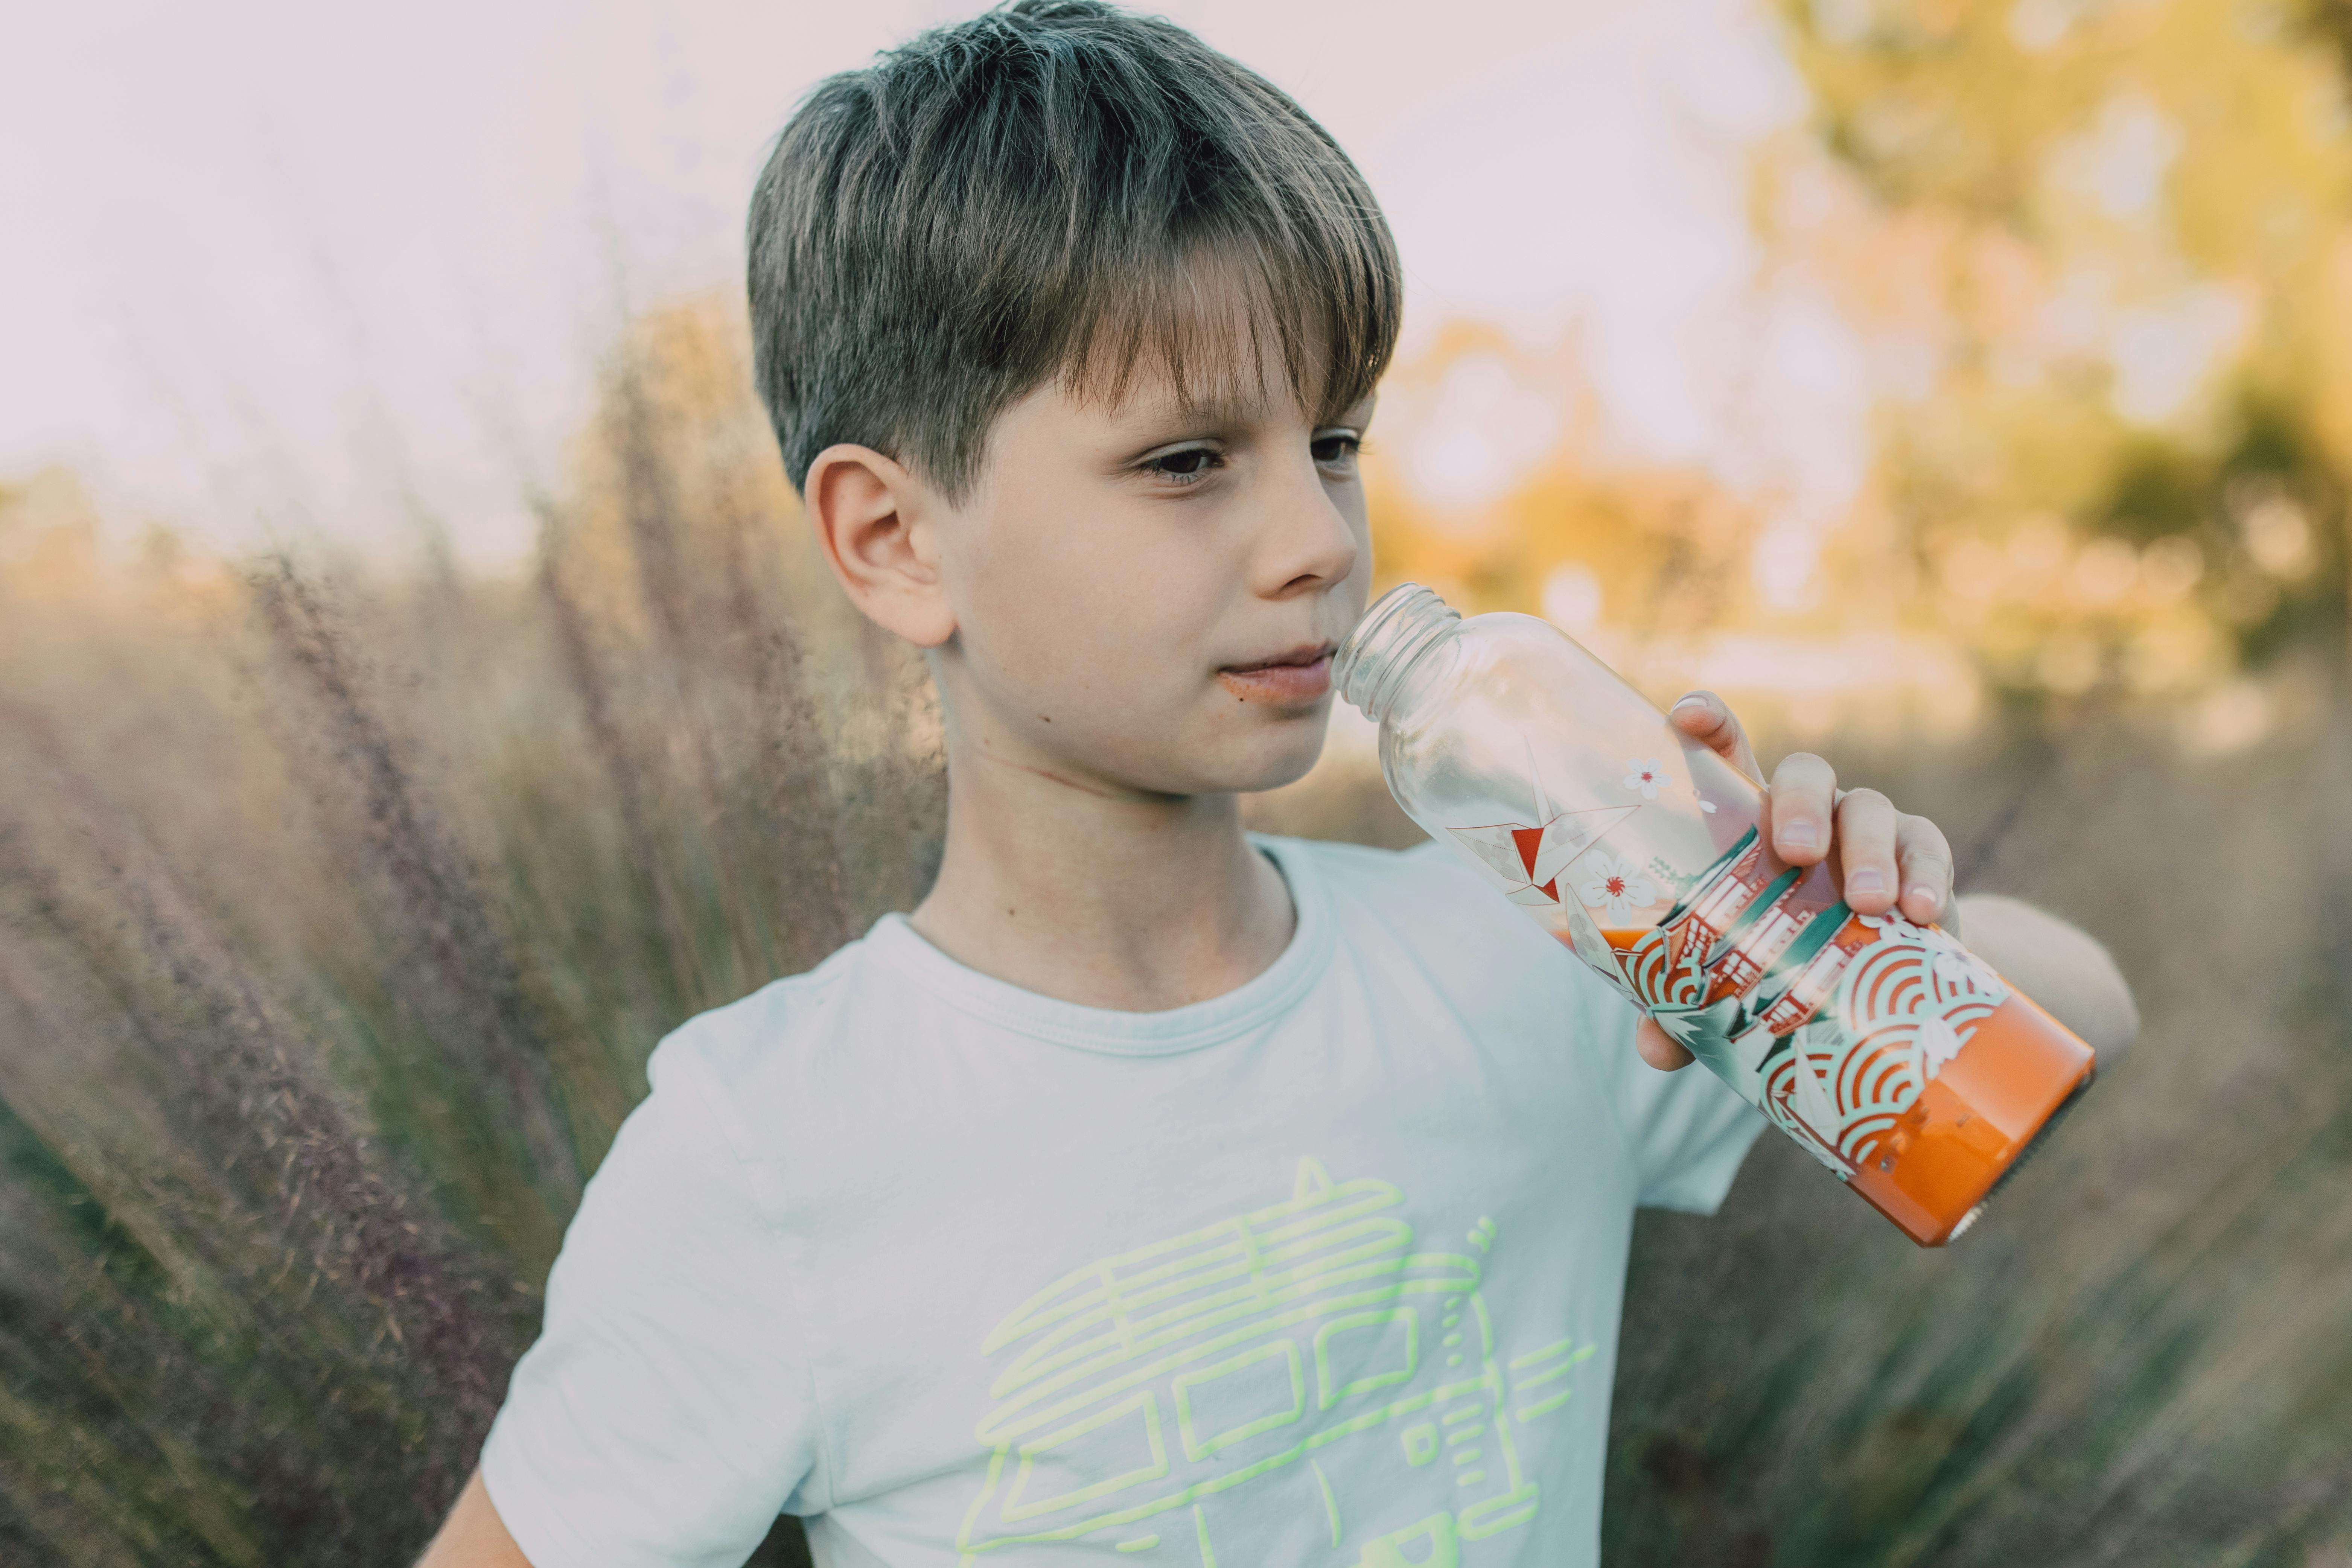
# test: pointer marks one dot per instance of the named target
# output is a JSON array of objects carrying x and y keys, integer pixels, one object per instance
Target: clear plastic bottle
[{"x": 1897, "y": 1058}]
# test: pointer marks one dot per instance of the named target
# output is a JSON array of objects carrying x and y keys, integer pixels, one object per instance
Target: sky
[{"x": 274, "y": 268}]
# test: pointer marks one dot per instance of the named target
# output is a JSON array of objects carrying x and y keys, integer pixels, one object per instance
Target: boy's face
[{"x": 1146, "y": 597}]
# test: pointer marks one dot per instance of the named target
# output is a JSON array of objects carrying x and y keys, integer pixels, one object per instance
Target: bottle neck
[{"x": 1408, "y": 623}]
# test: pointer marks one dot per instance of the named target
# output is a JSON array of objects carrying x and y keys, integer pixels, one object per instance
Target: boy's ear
[{"x": 876, "y": 522}]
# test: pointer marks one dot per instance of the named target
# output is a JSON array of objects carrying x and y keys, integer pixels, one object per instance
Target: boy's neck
[{"x": 1092, "y": 895}]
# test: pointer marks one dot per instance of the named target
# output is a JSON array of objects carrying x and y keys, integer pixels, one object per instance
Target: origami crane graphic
[{"x": 1527, "y": 857}]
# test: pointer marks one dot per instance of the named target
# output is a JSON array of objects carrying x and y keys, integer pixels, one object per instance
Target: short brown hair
[{"x": 1018, "y": 197}]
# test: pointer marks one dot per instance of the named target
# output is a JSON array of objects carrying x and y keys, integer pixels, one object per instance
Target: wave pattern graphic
[
  {"x": 1661, "y": 978},
  {"x": 1903, "y": 1008}
]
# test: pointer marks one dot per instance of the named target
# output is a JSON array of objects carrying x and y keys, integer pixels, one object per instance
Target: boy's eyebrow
[
  {"x": 1216, "y": 412},
  {"x": 1222, "y": 410},
  {"x": 1148, "y": 419}
]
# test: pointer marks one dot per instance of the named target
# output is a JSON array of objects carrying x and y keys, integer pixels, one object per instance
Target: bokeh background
[{"x": 416, "y": 695}]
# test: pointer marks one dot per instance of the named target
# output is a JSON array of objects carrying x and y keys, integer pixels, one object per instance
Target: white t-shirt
[{"x": 1324, "y": 1270}]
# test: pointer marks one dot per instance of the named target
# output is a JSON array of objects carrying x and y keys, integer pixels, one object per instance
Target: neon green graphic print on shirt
[
  {"x": 1169, "y": 1374},
  {"x": 1326, "y": 1271}
]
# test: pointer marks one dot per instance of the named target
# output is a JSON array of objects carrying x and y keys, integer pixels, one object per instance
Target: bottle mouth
[{"x": 1401, "y": 625}]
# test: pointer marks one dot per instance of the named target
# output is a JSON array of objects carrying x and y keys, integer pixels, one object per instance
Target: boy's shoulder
[
  {"x": 726, "y": 1060},
  {"x": 1422, "y": 890},
  {"x": 1426, "y": 896},
  {"x": 828, "y": 1030},
  {"x": 1407, "y": 876}
]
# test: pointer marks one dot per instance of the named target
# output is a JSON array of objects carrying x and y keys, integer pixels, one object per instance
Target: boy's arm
[
  {"x": 473, "y": 1536},
  {"x": 665, "y": 1415}
]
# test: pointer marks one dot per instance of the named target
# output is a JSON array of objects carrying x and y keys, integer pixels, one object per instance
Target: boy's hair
[{"x": 1055, "y": 189}]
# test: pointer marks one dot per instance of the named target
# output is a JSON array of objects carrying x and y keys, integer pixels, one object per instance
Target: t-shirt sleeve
[
  {"x": 666, "y": 1415},
  {"x": 1688, "y": 1131}
]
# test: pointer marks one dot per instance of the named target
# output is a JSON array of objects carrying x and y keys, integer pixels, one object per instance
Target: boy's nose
[{"x": 1310, "y": 542}]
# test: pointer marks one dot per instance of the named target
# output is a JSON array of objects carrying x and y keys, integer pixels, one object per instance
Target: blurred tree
[
  {"x": 1575, "y": 534},
  {"x": 2096, "y": 257},
  {"x": 2100, "y": 252}
]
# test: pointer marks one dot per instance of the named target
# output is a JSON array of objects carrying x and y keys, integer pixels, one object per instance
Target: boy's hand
[{"x": 1888, "y": 856}]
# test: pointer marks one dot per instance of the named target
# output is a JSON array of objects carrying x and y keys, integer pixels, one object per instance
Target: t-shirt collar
[{"x": 1253, "y": 1004}]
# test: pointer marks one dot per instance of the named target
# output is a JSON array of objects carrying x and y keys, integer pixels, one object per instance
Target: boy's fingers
[
  {"x": 1803, "y": 798},
  {"x": 1705, "y": 717},
  {"x": 1660, "y": 1049},
  {"x": 1926, "y": 858},
  {"x": 1866, "y": 828}
]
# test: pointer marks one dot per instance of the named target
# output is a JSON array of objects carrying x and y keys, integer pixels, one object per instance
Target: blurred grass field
[
  {"x": 338, "y": 912},
  {"x": 341, "y": 904}
]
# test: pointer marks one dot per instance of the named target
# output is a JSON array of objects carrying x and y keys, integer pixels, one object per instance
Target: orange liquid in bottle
[
  {"x": 1971, "y": 1123},
  {"x": 1975, "y": 1120}
]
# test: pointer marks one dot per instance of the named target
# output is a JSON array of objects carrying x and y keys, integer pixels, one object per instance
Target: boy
[{"x": 1152, "y": 1193}]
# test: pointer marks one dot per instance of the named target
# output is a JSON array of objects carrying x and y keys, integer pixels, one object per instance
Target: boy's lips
[{"x": 1302, "y": 675}]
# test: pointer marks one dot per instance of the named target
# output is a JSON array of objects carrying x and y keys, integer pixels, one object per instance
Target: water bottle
[{"x": 1894, "y": 1055}]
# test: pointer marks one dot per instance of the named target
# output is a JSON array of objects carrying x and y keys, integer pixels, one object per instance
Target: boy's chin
[{"x": 1269, "y": 762}]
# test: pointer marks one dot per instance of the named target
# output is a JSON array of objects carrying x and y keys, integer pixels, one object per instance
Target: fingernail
[
  {"x": 1931, "y": 897},
  {"x": 1799, "y": 835},
  {"x": 1693, "y": 700},
  {"x": 1869, "y": 881}
]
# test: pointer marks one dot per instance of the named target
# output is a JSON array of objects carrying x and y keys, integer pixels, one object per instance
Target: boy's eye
[
  {"x": 1186, "y": 465},
  {"x": 1335, "y": 449}
]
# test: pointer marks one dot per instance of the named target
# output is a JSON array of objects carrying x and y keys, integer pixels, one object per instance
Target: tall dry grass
[{"x": 338, "y": 913}]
